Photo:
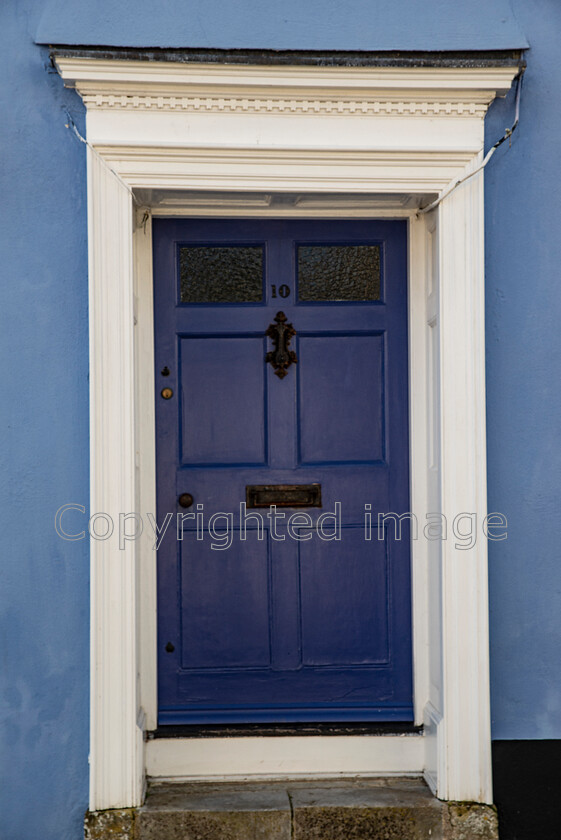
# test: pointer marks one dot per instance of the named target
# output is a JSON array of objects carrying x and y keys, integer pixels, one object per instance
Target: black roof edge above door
[{"x": 314, "y": 58}]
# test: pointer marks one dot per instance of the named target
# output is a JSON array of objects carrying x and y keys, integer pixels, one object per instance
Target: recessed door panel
[
  {"x": 341, "y": 398},
  {"x": 225, "y": 600},
  {"x": 344, "y": 587},
  {"x": 223, "y": 400}
]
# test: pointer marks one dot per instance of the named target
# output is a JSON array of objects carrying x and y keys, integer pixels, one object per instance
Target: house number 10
[{"x": 284, "y": 291}]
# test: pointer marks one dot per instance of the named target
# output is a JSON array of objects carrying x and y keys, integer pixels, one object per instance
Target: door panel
[
  {"x": 262, "y": 618},
  {"x": 349, "y": 588},
  {"x": 223, "y": 394},
  {"x": 340, "y": 401},
  {"x": 216, "y": 583}
]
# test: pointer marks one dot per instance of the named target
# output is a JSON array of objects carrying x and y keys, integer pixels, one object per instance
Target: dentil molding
[{"x": 284, "y": 105}]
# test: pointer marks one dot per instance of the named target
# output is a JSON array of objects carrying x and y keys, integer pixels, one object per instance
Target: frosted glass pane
[
  {"x": 338, "y": 272},
  {"x": 225, "y": 274}
]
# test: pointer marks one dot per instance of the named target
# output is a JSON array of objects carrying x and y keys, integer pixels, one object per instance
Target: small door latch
[{"x": 185, "y": 500}]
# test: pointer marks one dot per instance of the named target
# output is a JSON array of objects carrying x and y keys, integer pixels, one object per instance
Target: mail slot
[{"x": 283, "y": 495}]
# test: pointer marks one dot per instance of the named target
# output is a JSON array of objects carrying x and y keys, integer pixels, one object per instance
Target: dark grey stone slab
[
  {"x": 392, "y": 809},
  {"x": 213, "y": 825},
  {"x": 222, "y": 796},
  {"x": 361, "y": 793},
  {"x": 215, "y": 812},
  {"x": 345, "y": 809}
]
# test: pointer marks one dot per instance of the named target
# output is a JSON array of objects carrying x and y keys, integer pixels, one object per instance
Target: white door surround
[{"x": 346, "y": 141}]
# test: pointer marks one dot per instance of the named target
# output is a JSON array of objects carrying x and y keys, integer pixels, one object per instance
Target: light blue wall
[
  {"x": 44, "y": 407},
  {"x": 44, "y": 634},
  {"x": 523, "y": 275},
  {"x": 290, "y": 24}
]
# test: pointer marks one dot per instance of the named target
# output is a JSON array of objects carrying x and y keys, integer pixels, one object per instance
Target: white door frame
[{"x": 155, "y": 126}]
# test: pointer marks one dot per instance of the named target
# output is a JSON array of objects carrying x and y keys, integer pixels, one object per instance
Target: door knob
[{"x": 185, "y": 500}]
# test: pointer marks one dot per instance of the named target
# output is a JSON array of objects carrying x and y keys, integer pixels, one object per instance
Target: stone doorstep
[{"x": 365, "y": 809}]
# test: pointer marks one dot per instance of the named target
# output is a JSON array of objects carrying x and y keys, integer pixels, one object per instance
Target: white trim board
[
  {"x": 348, "y": 131},
  {"x": 278, "y": 757}
]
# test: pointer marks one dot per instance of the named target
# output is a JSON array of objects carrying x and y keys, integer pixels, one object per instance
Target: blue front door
[{"x": 281, "y": 412}]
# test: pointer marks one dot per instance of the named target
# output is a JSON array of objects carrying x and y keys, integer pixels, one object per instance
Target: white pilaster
[
  {"x": 115, "y": 737},
  {"x": 464, "y": 740}
]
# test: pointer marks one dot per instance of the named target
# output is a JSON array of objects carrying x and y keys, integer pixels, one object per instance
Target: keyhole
[
  {"x": 170, "y": 648},
  {"x": 165, "y": 371}
]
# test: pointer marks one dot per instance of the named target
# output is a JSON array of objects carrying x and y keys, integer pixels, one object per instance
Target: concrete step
[{"x": 365, "y": 809}]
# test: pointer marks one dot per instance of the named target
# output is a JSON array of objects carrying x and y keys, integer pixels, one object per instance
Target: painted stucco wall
[
  {"x": 44, "y": 586},
  {"x": 523, "y": 267},
  {"x": 44, "y": 406},
  {"x": 290, "y": 25}
]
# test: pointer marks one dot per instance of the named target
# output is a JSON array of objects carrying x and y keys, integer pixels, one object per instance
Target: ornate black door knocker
[{"x": 281, "y": 334}]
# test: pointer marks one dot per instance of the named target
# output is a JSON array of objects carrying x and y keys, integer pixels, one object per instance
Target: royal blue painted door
[{"x": 298, "y": 613}]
